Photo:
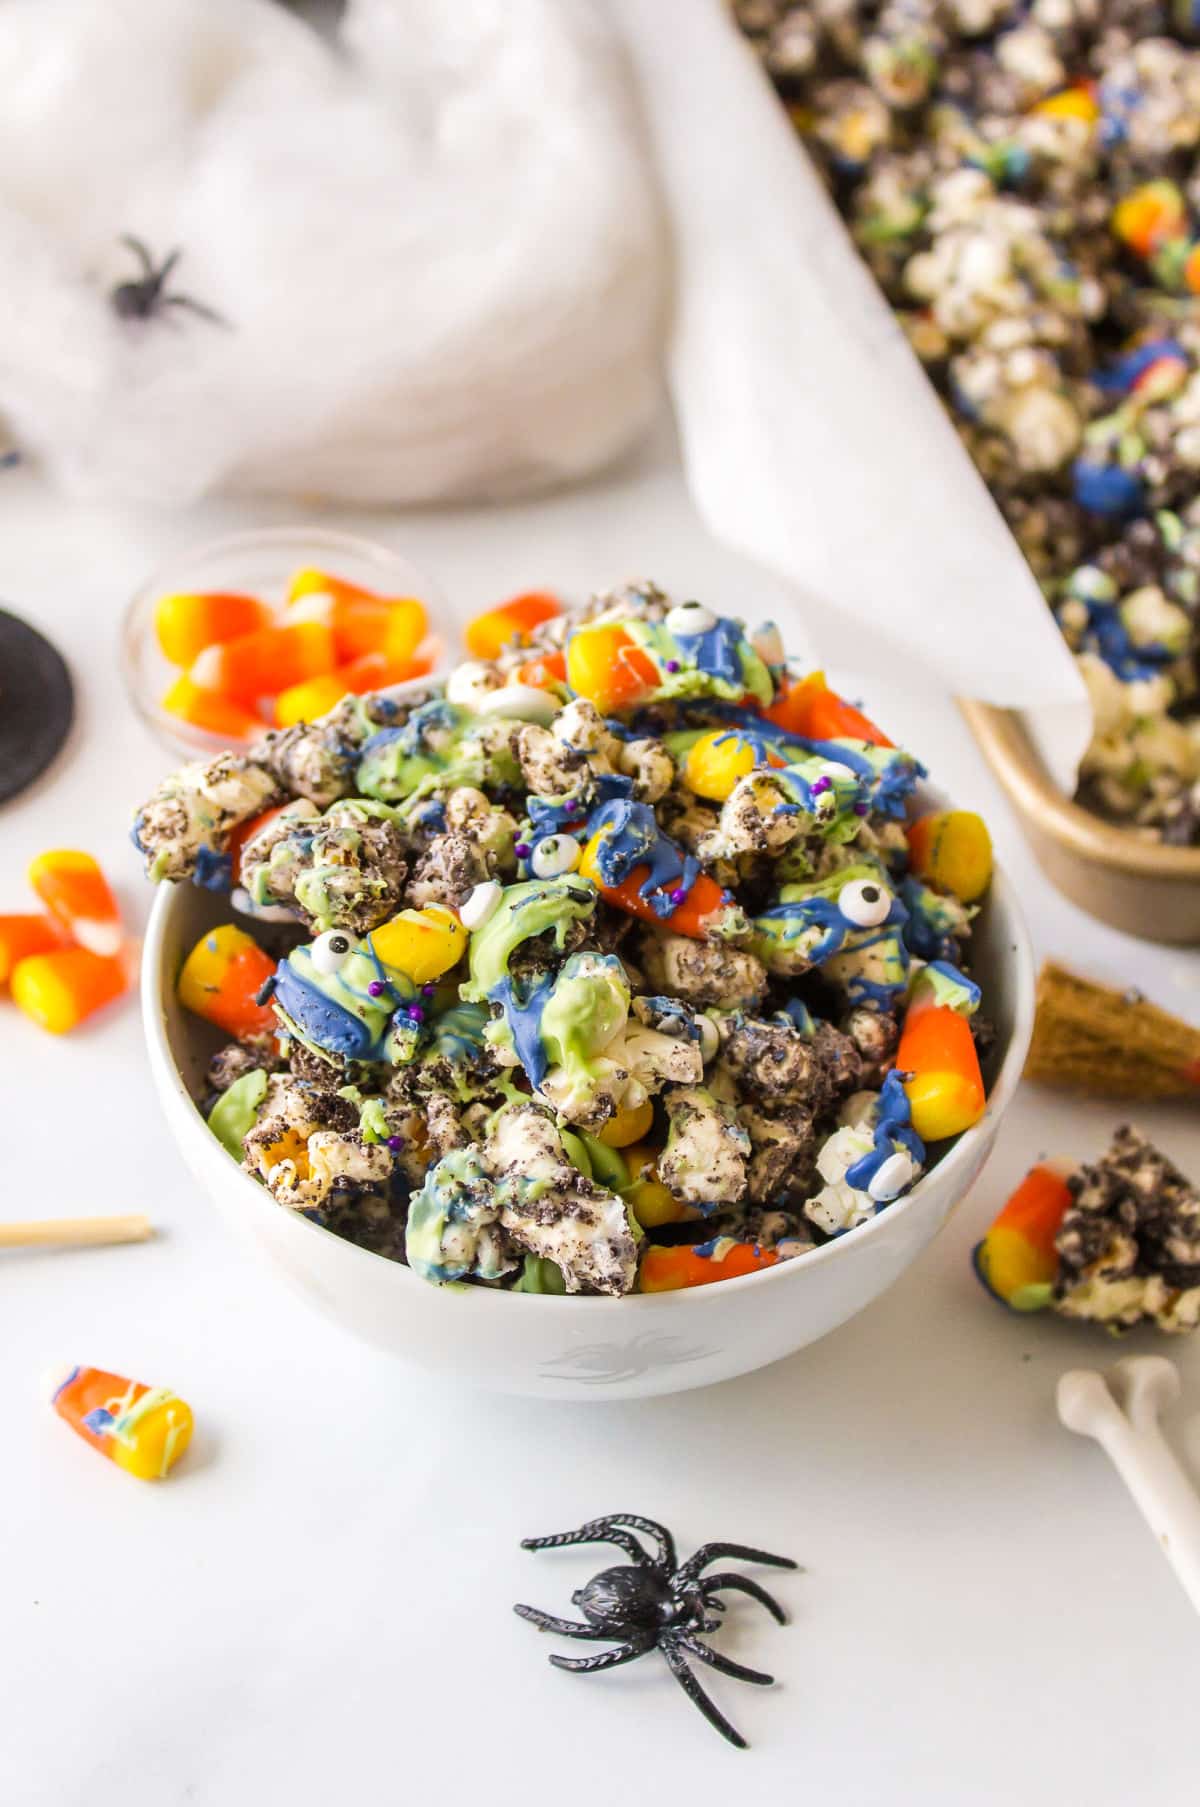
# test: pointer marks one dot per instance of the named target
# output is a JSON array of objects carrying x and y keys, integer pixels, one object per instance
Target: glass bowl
[{"x": 259, "y": 562}]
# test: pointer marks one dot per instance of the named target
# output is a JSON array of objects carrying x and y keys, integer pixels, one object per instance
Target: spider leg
[
  {"x": 724, "y": 1663},
  {"x": 709, "y": 1552},
  {"x": 742, "y": 1584},
  {"x": 138, "y": 247},
  {"x": 568, "y": 1628},
  {"x": 652, "y": 1528},
  {"x": 194, "y": 307},
  {"x": 597, "y": 1530},
  {"x": 603, "y": 1659},
  {"x": 695, "y": 1693}
]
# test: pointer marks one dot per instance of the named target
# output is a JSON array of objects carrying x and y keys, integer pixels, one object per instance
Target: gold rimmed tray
[{"x": 1118, "y": 874}]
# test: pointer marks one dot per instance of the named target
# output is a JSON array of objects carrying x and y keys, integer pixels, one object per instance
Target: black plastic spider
[
  {"x": 658, "y": 1603},
  {"x": 147, "y": 296}
]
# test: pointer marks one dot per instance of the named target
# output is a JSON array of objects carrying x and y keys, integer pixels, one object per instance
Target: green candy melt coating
[{"x": 233, "y": 1116}]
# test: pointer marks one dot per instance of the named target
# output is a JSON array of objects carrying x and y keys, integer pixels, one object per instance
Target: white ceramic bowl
[{"x": 581, "y": 1348}]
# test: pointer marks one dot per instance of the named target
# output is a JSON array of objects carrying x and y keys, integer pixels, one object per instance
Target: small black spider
[
  {"x": 658, "y": 1603},
  {"x": 147, "y": 296}
]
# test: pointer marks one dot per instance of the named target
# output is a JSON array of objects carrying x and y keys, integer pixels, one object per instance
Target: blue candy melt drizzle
[
  {"x": 1120, "y": 377},
  {"x": 893, "y": 1128},
  {"x": 1106, "y": 489},
  {"x": 523, "y": 1005},
  {"x": 214, "y": 871},
  {"x": 717, "y": 653},
  {"x": 633, "y": 838}
]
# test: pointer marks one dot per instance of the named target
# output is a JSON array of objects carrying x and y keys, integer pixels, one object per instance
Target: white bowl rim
[{"x": 957, "y": 1157}]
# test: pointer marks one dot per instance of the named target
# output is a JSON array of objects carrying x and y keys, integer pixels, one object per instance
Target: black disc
[{"x": 37, "y": 704}]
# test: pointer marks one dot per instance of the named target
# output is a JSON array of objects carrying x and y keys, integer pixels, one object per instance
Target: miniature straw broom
[{"x": 1111, "y": 1044}]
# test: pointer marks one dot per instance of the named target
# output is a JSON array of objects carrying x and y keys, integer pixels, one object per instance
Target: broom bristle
[{"x": 1111, "y": 1044}]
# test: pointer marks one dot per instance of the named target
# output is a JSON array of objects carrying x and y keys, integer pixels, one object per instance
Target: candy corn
[
  {"x": 812, "y": 710},
  {"x": 666, "y": 1270},
  {"x": 221, "y": 980},
  {"x": 1150, "y": 215},
  {"x": 944, "y": 1084},
  {"x": 1017, "y": 1260},
  {"x": 23, "y": 935},
  {"x": 422, "y": 944},
  {"x": 77, "y": 895},
  {"x": 609, "y": 668},
  {"x": 953, "y": 850},
  {"x": 243, "y": 832},
  {"x": 316, "y": 696},
  {"x": 490, "y": 632},
  {"x": 649, "y": 1200},
  {"x": 186, "y": 624},
  {"x": 365, "y": 624},
  {"x": 1078, "y": 102},
  {"x": 211, "y": 710},
  {"x": 59, "y": 989},
  {"x": 144, "y": 1430},
  {"x": 717, "y": 760},
  {"x": 543, "y": 673},
  {"x": 691, "y": 916},
  {"x": 263, "y": 663}
]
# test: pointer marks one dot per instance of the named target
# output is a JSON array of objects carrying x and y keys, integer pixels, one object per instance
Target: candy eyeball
[
  {"x": 892, "y": 1176},
  {"x": 836, "y": 772},
  {"x": 519, "y": 702},
  {"x": 689, "y": 618},
  {"x": 480, "y": 905},
  {"x": 331, "y": 951},
  {"x": 865, "y": 903},
  {"x": 471, "y": 683},
  {"x": 555, "y": 855}
]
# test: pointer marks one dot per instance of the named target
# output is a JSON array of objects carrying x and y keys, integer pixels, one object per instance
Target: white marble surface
[{"x": 315, "y": 1608}]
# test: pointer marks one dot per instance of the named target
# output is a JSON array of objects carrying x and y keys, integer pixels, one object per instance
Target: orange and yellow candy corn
[
  {"x": 144, "y": 1430},
  {"x": 487, "y": 634},
  {"x": 1149, "y": 216},
  {"x": 693, "y": 916},
  {"x": 263, "y": 663},
  {"x": 667, "y": 1270},
  {"x": 953, "y": 850},
  {"x": 1017, "y": 1259},
  {"x": 59, "y": 989},
  {"x": 365, "y": 624},
  {"x": 23, "y": 935},
  {"x": 210, "y": 710},
  {"x": 317, "y": 696},
  {"x": 78, "y": 896},
  {"x": 221, "y": 980},
  {"x": 608, "y": 667},
  {"x": 944, "y": 1085},
  {"x": 186, "y": 623}
]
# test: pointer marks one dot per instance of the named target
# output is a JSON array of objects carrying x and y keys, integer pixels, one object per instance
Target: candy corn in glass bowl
[{"x": 261, "y": 629}]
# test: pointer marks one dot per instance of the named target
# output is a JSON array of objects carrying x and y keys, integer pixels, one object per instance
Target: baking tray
[{"x": 1131, "y": 881}]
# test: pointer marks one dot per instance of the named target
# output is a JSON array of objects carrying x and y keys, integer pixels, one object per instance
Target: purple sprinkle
[
  {"x": 672, "y": 664},
  {"x": 678, "y": 895},
  {"x": 819, "y": 786},
  {"x": 862, "y": 809},
  {"x": 522, "y": 850},
  {"x": 376, "y": 988},
  {"x": 427, "y": 991},
  {"x": 395, "y": 1143},
  {"x": 415, "y": 1014}
]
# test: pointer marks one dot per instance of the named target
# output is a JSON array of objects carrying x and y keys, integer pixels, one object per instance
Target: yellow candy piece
[
  {"x": 305, "y": 701},
  {"x": 629, "y": 1125},
  {"x": 1070, "y": 103},
  {"x": 953, "y": 850},
  {"x": 942, "y": 1105},
  {"x": 648, "y": 1198},
  {"x": 716, "y": 762},
  {"x": 424, "y": 944}
]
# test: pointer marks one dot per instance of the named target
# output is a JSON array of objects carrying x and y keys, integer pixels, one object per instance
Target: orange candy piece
[
  {"x": 78, "y": 896},
  {"x": 316, "y": 696},
  {"x": 815, "y": 712},
  {"x": 945, "y": 1086},
  {"x": 23, "y": 935},
  {"x": 210, "y": 710},
  {"x": 244, "y": 832},
  {"x": 488, "y": 634},
  {"x": 543, "y": 673},
  {"x": 264, "y": 663},
  {"x": 186, "y": 623},
  {"x": 667, "y": 1270},
  {"x": 221, "y": 979},
  {"x": 60, "y": 989},
  {"x": 608, "y": 667}
]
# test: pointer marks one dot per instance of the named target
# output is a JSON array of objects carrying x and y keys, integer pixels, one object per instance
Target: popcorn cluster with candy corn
[
  {"x": 245, "y": 664},
  {"x": 69, "y": 960},
  {"x": 624, "y": 959}
]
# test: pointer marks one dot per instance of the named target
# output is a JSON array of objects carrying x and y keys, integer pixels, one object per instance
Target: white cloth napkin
[{"x": 812, "y": 440}]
